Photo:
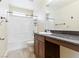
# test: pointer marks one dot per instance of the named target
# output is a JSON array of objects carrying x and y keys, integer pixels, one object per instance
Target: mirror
[{"x": 65, "y": 14}]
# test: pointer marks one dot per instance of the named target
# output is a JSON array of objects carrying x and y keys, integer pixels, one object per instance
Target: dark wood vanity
[
  {"x": 44, "y": 48},
  {"x": 48, "y": 46}
]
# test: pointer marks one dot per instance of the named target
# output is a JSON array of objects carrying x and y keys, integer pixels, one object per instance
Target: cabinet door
[
  {"x": 36, "y": 48},
  {"x": 41, "y": 49}
]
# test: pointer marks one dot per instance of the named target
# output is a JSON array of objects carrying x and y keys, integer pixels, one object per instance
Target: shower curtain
[{"x": 20, "y": 30}]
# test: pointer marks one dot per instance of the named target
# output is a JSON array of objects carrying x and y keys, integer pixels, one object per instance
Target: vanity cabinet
[
  {"x": 48, "y": 46},
  {"x": 43, "y": 48}
]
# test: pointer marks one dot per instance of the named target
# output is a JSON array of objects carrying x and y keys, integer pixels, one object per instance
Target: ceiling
[
  {"x": 59, "y": 3},
  {"x": 28, "y": 4}
]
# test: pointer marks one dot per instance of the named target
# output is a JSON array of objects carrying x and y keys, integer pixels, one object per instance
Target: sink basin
[{"x": 45, "y": 33}]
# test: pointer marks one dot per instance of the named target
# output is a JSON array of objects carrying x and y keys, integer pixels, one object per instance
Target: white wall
[
  {"x": 63, "y": 15},
  {"x": 3, "y": 28},
  {"x": 39, "y": 6}
]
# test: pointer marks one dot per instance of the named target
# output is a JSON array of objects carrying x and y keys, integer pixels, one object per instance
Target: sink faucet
[{"x": 46, "y": 30}]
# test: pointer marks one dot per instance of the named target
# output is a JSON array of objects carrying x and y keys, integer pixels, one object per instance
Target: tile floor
[{"x": 22, "y": 53}]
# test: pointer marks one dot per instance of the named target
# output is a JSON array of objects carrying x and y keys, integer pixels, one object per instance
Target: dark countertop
[{"x": 65, "y": 37}]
